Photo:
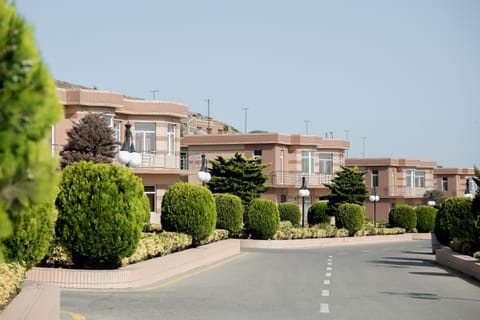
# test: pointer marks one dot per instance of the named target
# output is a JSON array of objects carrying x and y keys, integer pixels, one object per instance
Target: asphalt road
[{"x": 383, "y": 281}]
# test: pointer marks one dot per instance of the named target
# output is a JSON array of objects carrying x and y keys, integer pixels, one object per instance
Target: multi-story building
[
  {"x": 289, "y": 158},
  {"x": 155, "y": 129},
  {"x": 405, "y": 181}
]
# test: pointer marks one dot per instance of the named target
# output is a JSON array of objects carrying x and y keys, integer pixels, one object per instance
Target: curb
[{"x": 458, "y": 262}]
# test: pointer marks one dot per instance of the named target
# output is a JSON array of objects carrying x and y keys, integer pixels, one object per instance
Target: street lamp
[
  {"x": 303, "y": 192},
  {"x": 467, "y": 193},
  {"x": 203, "y": 175},
  {"x": 127, "y": 154},
  {"x": 374, "y": 198},
  {"x": 431, "y": 202}
]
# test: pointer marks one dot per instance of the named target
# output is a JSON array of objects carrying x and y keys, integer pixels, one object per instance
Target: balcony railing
[
  {"x": 401, "y": 191},
  {"x": 294, "y": 178}
]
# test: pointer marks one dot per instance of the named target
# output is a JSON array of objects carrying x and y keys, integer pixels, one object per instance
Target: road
[{"x": 382, "y": 281}]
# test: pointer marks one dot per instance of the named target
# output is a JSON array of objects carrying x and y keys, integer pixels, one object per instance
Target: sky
[{"x": 397, "y": 78}]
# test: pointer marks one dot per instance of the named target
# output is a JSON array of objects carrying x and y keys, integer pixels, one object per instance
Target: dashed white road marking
[
  {"x": 326, "y": 282},
  {"x": 328, "y": 274},
  {"x": 324, "y": 308},
  {"x": 329, "y": 268},
  {"x": 329, "y": 263},
  {"x": 325, "y": 293}
]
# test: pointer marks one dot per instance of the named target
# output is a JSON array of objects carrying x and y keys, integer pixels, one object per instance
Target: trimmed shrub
[
  {"x": 454, "y": 219},
  {"x": 34, "y": 230},
  {"x": 317, "y": 213},
  {"x": 350, "y": 216},
  {"x": 403, "y": 216},
  {"x": 262, "y": 219},
  {"x": 289, "y": 211},
  {"x": 425, "y": 218},
  {"x": 101, "y": 212},
  {"x": 189, "y": 208},
  {"x": 229, "y": 213}
]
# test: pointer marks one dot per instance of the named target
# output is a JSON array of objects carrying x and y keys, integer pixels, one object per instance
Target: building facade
[
  {"x": 155, "y": 127},
  {"x": 289, "y": 158},
  {"x": 406, "y": 181}
]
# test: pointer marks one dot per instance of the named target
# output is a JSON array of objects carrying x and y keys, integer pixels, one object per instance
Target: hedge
[
  {"x": 262, "y": 219},
  {"x": 350, "y": 216},
  {"x": 229, "y": 213},
  {"x": 317, "y": 213},
  {"x": 289, "y": 211},
  {"x": 403, "y": 216},
  {"x": 425, "y": 218}
]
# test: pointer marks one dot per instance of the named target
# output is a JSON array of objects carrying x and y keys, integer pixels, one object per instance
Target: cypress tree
[
  {"x": 91, "y": 139},
  {"x": 348, "y": 186},
  {"x": 238, "y": 176},
  {"x": 28, "y": 108}
]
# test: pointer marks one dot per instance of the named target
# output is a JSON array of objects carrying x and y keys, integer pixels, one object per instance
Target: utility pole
[
  {"x": 306, "y": 126},
  {"x": 153, "y": 93},
  {"x": 208, "y": 114},
  {"x": 364, "y": 138},
  {"x": 246, "y": 111},
  {"x": 346, "y": 134}
]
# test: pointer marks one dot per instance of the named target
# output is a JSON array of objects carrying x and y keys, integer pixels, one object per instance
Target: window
[
  {"x": 283, "y": 198},
  {"x": 419, "y": 179},
  {"x": 171, "y": 140},
  {"x": 374, "y": 178},
  {"x": 257, "y": 155},
  {"x": 445, "y": 184},
  {"x": 145, "y": 137},
  {"x": 108, "y": 120},
  {"x": 150, "y": 193},
  {"x": 415, "y": 179},
  {"x": 183, "y": 160},
  {"x": 308, "y": 162},
  {"x": 116, "y": 130},
  {"x": 341, "y": 159},
  {"x": 326, "y": 163}
]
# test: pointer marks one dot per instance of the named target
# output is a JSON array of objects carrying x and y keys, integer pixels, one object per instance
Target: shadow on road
[{"x": 425, "y": 296}]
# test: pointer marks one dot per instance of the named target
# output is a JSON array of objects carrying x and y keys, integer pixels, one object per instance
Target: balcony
[
  {"x": 403, "y": 192},
  {"x": 294, "y": 178}
]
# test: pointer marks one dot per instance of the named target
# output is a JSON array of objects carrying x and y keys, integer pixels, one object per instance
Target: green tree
[
  {"x": 348, "y": 186},
  {"x": 239, "y": 176},
  {"x": 101, "y": 212},
  {"x": 28, "y": 108},
  {"x": 91, "y": 139}
]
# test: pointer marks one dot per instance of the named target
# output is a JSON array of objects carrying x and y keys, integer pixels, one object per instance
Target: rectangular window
[
  {"x": 150, "y": 193},
  {"x": 374, "y": 178},
  {"x": 410, "y": 177},
  {"x": 308, "y": 162},
  {"x": 184, "y": 160},
  {"x": 419, "y": 179},
  {"x": 257, "y": 155},
  {"x": 445, "y": 184},
  {"x": 116, "y": 130},
  {"x": 326, "y": 163},
  {"x": 108, "y": 120},
  {"x": 283, "y": 198},
  {"x": 415, "y": 179},
  {"x": 145, "y": 137},
  {"x": 171, "y": 140}
]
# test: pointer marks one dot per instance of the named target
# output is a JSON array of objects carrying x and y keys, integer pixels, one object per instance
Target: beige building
[
  {"x": 289, "y": 158},
  {"x": 406, "y": 181},
  {"x": 168, "y": 158},
  {"x": 155, "y": 129}
]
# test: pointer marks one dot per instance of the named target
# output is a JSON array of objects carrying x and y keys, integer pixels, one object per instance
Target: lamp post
[
  {"x": 431, "y": 202},
  {"x": 203, "y": 175},
  {"x": 127, "y": 154},
  {"x": 374, "y": 198},
  {"x": 303, "y": 192},
  {"x": 467, "y": 193}
]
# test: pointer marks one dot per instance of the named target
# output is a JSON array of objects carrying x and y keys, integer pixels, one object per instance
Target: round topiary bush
[
  {"x": 317, "y": 213},
  {"x": 229, "y": 213},
  {"x": 190, "y": 209},
  {"x": 289, "y": 211},
  {"x": 453, "y": 219},
  {"x": 403, "y": 216},
  {"x": 262, "y": 219},
  {"x": 351, "y": 217},
  {"x": 101, "y": 212},
  {"x": 34, "y": 229},
  {"x": 425, "y": 218}
]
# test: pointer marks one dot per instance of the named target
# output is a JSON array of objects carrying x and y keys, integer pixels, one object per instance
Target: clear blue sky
[{"x": 404, "y": 74}]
